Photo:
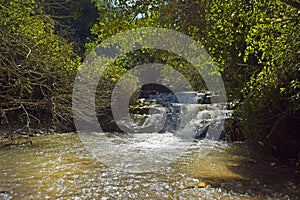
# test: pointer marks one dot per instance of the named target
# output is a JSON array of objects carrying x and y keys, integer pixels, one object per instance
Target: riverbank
[{"x": 24, "y": 135}]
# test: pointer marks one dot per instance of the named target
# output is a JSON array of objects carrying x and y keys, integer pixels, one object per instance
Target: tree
[
  {"x": 73, "y": 20},
  {"x": 271, "y": 108},
  {"x": 36, "y": 68},
  {"x": 255, "y": 45}
]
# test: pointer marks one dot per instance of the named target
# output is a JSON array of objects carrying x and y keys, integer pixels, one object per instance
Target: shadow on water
[{"x": 240, "y": 169}]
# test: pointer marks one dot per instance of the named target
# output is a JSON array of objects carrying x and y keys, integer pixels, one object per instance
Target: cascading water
[
  {"x": 157, "y": 139},
  {"x": 188, "y": 119},
  {"x": 201, "y": 121}
]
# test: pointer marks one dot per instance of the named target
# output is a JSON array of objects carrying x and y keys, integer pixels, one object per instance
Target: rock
[
  {"x": 5, "y": 193},
  {"x": 201, "y": 185},
  {"x": 5, "y": 196},
  {"x": 201, "y": 134},
  {"x": 291, "y": 185},
  {"x": 198, "y": 185},
  {"x": 252, "y": 160},
  {"x": 51, "y": 131},
  {"x": 205, "y": 99}
]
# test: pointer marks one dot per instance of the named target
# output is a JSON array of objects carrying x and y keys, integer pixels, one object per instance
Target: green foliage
[
  {"x": 271, "y": 97},
  {"x": 35, "y": 64},
  {"x": 119, "y": 16},
  {"x": 228, "y": 23},
  {"x": 73, "y": 20},
  {"x": 254, "y": 43}
]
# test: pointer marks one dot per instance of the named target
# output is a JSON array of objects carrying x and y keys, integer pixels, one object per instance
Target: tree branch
[{"x": 292, "y": 3}]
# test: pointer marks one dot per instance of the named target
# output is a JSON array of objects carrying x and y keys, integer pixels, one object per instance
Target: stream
[
  {"x": 59, "y": 167},
  {"x": 157, "y": 160}
]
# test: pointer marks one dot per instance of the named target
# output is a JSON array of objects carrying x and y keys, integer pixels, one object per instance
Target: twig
[{"x": 28, "y": 49}]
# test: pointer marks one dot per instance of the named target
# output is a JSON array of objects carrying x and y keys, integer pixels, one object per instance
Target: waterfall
[
  {"x": 160, "y": 131},
  {"x": 192, "y": 118},
  {"x": 201, "y": 121}
]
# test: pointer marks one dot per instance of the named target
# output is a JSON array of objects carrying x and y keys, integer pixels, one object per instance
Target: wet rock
[
  {"x": 252, "y": 161},
  {"x": 201, "y": 134},
  {"x": 206, "y": 99},
  {"x": 201, "y": 185},
  {"x": 5, "y": 196},
  {"x": 51, "y": 131},
  {"x": 291, "y": 185},
  {"x": 198, "y": 185},
  {"x": 5, "y": 193}
]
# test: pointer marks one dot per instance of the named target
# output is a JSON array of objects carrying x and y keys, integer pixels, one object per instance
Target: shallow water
[{"x": 59, "y": 167}]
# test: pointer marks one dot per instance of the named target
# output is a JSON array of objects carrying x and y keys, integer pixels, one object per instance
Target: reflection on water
[{"x": 58, "y": 167}]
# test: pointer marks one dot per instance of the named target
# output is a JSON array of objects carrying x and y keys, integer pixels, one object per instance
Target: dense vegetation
[
  {"x": 37, "y": 68},
  {"x": 254, "y": 43}
]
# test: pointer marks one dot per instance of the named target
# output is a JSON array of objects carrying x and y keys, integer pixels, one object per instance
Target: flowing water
[
  {"x": 59, "y": 167},
  {"x": 166, "y": 134},
  {"x": 165, "y": 164}
]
